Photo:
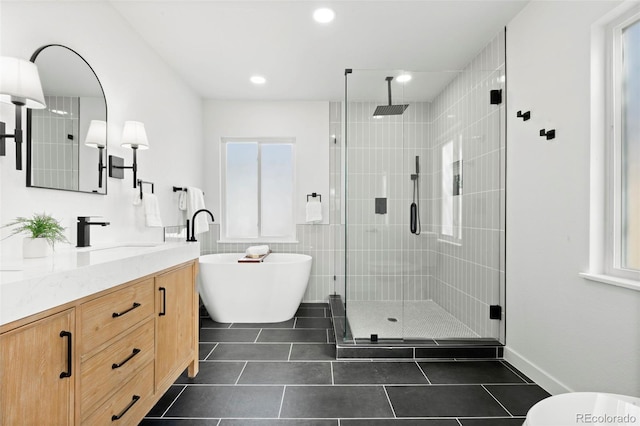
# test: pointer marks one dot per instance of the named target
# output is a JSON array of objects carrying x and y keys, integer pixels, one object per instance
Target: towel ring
[
  {"x": 314, "y": 195},
  {"x": 140, "y": 182}
]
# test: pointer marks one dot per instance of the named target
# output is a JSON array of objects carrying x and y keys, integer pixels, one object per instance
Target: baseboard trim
[{"x": 535, "y": 373}]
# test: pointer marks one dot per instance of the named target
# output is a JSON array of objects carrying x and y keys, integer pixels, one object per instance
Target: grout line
[
  {"x": 459, "y": 422},
  {"x": 242, "y": 371},
  {"x": 295, "y": 321},
  {"x": 219, "y": 421},
  {"x": 211, "y": 351},
  {"x": 506, "y": 364},
  {"x": 332, "y": 379},
  {"x": 174, "y": 401},
  {"x": 389, "y": 401},
  {"x": 505, "y": 408},
  {"x": 258, "y": 335},
  {"x": 423, "y": 373},
  {"x": 290, "y": 350},
  {"x": 284, "y": 389}
]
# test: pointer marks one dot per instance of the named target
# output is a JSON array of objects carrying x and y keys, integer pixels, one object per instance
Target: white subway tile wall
[{"x": 54, "y": 135}]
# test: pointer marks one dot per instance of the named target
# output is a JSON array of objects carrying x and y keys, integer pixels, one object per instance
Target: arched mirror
[{"x": 66, "y": 141}]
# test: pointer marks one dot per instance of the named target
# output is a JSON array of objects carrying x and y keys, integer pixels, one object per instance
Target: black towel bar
[{"x": 180, "y": 188}]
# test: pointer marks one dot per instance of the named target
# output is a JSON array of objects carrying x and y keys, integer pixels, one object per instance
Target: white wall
[
  {"x": 138, "y": 86},
  {"x": 307, "y": 122},
  {"x": 567, "y": 333}
]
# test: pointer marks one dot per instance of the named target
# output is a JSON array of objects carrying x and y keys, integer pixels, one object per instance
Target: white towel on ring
[
  {"x": 182, "y": 201},
  {"x": 151, "y": 210},
  {"x": 195, "y": 202},
  {"x": 314, "y": 211}
]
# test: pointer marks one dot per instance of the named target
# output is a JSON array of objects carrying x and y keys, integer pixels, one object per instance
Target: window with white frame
[
  {"x": 258, "y": 190},
  {"x": 623, "y": 216}
]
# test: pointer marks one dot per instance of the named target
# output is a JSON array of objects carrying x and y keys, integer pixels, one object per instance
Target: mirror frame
[{"x": 29, "y": 152}]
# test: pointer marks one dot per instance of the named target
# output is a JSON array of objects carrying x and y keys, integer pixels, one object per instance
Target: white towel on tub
[{"x": 257, "y": 250}]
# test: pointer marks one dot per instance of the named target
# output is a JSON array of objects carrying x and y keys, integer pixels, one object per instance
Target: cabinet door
[
  {"x": 175, "y": 323},
  {"x": 35, "y": 361}
]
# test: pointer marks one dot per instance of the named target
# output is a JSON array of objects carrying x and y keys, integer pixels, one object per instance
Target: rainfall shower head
[{"x": 389, "y": 109}]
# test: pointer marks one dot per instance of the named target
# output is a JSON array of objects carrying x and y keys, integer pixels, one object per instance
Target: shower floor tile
[
  {"x": 262, "y": 375},
  {"x": 423, "y": 319}
]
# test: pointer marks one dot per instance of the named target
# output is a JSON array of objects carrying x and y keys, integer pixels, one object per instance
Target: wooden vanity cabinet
[
  {"x": 132, "y": 342},
  {"x": 36, "y": 372},
  {"x": 176, "y": 325}
]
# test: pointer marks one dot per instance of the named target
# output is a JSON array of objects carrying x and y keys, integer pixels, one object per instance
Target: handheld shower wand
[{"x": 414, "y": 225}]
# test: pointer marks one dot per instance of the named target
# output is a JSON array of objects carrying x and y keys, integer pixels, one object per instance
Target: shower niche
[{"x": 432, "y": 265}]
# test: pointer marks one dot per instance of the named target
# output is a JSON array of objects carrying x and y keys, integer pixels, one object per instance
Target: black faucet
[
  {"x": 192, "y": 237},
  {"x": 83, "y": 230}
]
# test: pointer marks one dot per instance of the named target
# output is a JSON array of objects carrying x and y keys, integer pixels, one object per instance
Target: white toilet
[{"x": 585, "y": 408}]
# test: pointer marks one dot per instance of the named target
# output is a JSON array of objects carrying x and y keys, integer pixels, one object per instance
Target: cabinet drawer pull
[
  {"x": 135, "y": 352},
  {"x": 67, "y": 373},
  {"x": 119, "y": 416},
  {"x": 119, "y": 314},
  {"x": 164, "y": 301}
]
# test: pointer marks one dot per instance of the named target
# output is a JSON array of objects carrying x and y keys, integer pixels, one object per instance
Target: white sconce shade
[
  {"x": 97, "y": 134},
  {"x": 20, "y": 83},
  {"x": 134, "y": 135}
]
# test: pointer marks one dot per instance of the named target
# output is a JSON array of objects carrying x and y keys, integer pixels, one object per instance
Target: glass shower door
[{"x": 375, "y": 224}]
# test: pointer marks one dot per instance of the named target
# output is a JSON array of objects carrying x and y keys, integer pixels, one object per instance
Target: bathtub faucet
[{"x": 192, "y": 237}]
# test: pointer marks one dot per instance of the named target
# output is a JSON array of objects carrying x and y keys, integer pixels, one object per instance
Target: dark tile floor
[{"x": 286, "y": 374}]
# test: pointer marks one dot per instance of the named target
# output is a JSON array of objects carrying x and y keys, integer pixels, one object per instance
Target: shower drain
[{"x": 392, "y": 319}]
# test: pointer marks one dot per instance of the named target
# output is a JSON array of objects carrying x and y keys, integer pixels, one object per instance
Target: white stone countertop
[{"x": 29, "y": 286}]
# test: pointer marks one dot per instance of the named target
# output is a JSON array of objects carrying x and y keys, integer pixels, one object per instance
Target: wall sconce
[
  {"x": 20, "y": 86},
  {"x": 97, "y": 138},
  {"x": 135, "y": 137}
]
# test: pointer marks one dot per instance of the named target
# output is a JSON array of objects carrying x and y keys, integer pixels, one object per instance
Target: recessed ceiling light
[
  {"x": 403, "y": 78},
  {"x": 258, "y": 79},
  {"x": 324, "y": 15}
]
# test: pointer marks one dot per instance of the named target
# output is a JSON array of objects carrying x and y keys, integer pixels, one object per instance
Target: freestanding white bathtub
[{"x": 269, "y": 291}]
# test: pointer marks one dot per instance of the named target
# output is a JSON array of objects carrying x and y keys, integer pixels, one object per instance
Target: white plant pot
[{"x": 35, "y": 247}]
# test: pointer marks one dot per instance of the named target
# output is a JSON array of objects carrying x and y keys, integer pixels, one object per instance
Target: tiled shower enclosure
[{"x": 455, "y": 263}]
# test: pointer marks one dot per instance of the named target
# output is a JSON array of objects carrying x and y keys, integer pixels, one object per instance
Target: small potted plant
[{"x": 43, "y": 231}]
